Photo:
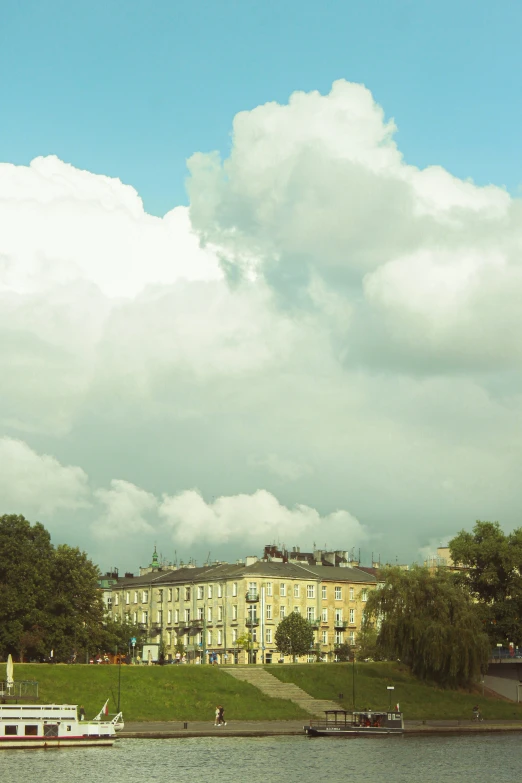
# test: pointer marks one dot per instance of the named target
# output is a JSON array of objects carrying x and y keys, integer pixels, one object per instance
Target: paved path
[
  {"x": 170, "y": 729},
  {"x": 271, "y": 686}
]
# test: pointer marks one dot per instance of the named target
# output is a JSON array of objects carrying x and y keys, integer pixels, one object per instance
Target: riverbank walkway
[{"x": 178, "y": 729}]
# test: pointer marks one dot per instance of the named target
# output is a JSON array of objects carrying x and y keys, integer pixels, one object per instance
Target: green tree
[
  {"x": 75, "y": 611},
  {"x": 26, "y": 556},
  {"x": 428, "y": 621},
  {"x": 492, "y": 572},
  {"x": 294, "y": 635},
  {"x": 344, "y": 652}
]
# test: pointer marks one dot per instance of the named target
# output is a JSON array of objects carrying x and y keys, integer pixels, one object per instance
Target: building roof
[{"x": 224, "y": 571}]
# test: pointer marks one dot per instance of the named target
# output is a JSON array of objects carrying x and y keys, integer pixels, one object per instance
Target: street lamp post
[{"x": 390, "y": 688}]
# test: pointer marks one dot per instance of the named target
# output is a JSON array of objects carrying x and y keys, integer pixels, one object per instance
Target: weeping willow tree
[{"x": 428, "y": 621}]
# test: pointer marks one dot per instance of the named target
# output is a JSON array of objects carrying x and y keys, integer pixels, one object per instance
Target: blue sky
[{"x": 131, "y": 89}]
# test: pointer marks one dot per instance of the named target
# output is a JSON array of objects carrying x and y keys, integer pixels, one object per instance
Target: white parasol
[{"x": 9, "y": 671}]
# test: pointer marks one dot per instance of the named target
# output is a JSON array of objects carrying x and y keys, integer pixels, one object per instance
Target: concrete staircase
[{"x": 271, "y": 686}]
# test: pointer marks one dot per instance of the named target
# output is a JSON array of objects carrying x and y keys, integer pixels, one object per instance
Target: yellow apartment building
[{"x": 217, "y": 609}]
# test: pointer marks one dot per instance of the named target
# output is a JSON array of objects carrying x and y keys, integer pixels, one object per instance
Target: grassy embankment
[
  {"x": 156, "y": 692},
  {"x": 191, "y": 692},
  {"x": 418, "y": 701}
]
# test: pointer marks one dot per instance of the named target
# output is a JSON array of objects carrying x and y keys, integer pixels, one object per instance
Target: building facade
[{"x": 233, "y": 611}]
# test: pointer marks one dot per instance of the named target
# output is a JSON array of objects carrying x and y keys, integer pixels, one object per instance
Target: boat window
[
  {"x": 51, "y": 730},
  {"x": 69, "y": 728},
  {"x": 11, "y": 731},
  {"x": 31, "y": 731}
]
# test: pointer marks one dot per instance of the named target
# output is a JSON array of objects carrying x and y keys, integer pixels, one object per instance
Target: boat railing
[{"x": 20, "y": 689}]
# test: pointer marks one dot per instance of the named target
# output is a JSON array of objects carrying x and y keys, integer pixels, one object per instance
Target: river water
[{"x": 459, "y": 759}]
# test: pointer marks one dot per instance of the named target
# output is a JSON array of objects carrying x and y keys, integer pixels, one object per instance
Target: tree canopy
[
  {"x": 294, "y": 635},
  {"x": 492, "y": 572},
  {"x": 50, "y": 598},
  {"x": 428, "y": 621}
]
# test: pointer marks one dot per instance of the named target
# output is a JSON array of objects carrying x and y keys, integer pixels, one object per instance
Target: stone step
[{"x": 274, "y": 688}]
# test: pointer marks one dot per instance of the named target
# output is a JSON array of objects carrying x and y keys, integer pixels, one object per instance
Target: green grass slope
[
  {"x": 417, "y": 700},
  {"x": 156, "y": 693}
]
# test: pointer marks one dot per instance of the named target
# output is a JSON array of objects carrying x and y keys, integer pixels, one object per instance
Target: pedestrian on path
[
  {"x": 221, "y": 718},
  {"x": 217, "y": 717}
]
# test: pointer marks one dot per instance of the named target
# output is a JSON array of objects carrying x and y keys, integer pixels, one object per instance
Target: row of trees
[{"x": 50, "y": 598}]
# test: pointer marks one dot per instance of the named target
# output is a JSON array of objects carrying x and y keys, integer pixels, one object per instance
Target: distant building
[{"x": 221, "y": 608}]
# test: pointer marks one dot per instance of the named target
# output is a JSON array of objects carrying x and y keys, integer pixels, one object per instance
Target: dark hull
[{"x": 351, "y": 731}]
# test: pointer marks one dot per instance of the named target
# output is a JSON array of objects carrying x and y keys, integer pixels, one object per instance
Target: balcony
[
  {"x": 252, "y": 596},
  {"x": 341, "y": 624},
  {"x": 197, "y": 622},
  {"x": 314, "y": 623},
  {"x": 251, "y": 621}
]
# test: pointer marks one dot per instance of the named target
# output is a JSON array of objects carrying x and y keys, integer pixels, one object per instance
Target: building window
[
  {"x": 199, "y": 638},
  {"x": 254, "y": 635},
  {"x": 169, "y": 638},
  {"x": 209, "y": 592},
  {"x": 324, "y": 637},
  {"x": 323, "y": 592},
  {"x": 160, "y": 616},
  {"x": 135, "y": 596},
  {"x": 200, "y": 613},
  {"x": 160, "y": 596},
  {"x": 109, "y": 602},
  {"x": 297, "y": 609},
  {"x": 282, "y": 589},
  {"x": 282, "y": 612},
  {"x": 176, "y": 615},
  {"x": 269, "y": 588},
  {"x": 169, "y": 617},
  {"x": 352, "y": 637},
  {"x": 310, "y": 613},
  {"x": 234, "y": 588},
  {"x": 145, "y": 597},
  {"x": 296, "y": 591},
  {"x": 135, "y": 618},
  {"x": 269, "y": 611},
  {"x": 169, "y": 594},
  {"x": 209, "y": 614},
  {"x": 352, "y": 593},
  {"x": 220, "y": 614},
  {"x": 234, "y": 611},
  {"x": 187, "y": 615},
  {"x": 145, "y": 617},
  {"x": 310, "y": 591},
  {"x": 338, "y": 593},
  {"x": 187, "y": 593},
  {"x": 220, "y": 590},
  {"x": 201, "y": 592},
  {"x": 269, "y": 636},
  {"x": 209, "y": 638},
  {"x": 352, "y": 616},
  {"x": 234, "y": 635},
  {"x": 324, "y": 615},
  {"x": 338, "y": 615},
  {"x": 177, "y": 593},
  {"x": 338, "y": 637},
  {"x": 220, "y": 636},
  {"x": 117, "y": 599},
  {"x": 364, "y": 595}
]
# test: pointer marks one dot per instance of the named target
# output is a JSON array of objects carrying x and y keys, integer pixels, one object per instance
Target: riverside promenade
[{"x": 178, "y": 729}]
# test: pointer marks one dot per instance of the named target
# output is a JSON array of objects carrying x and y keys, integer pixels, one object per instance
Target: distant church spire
[{"x": 155, "y": 564}]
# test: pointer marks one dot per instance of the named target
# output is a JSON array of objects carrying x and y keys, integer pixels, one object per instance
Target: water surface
[{"x": 424, "y": 759}]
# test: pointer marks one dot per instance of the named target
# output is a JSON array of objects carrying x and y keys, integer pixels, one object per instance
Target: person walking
[
  {"x": 221, "y": 716},
  {"x": 217, "y": 717}
]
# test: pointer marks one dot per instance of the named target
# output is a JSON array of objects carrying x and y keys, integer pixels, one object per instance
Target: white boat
[{"x": 53, "y": 726}]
